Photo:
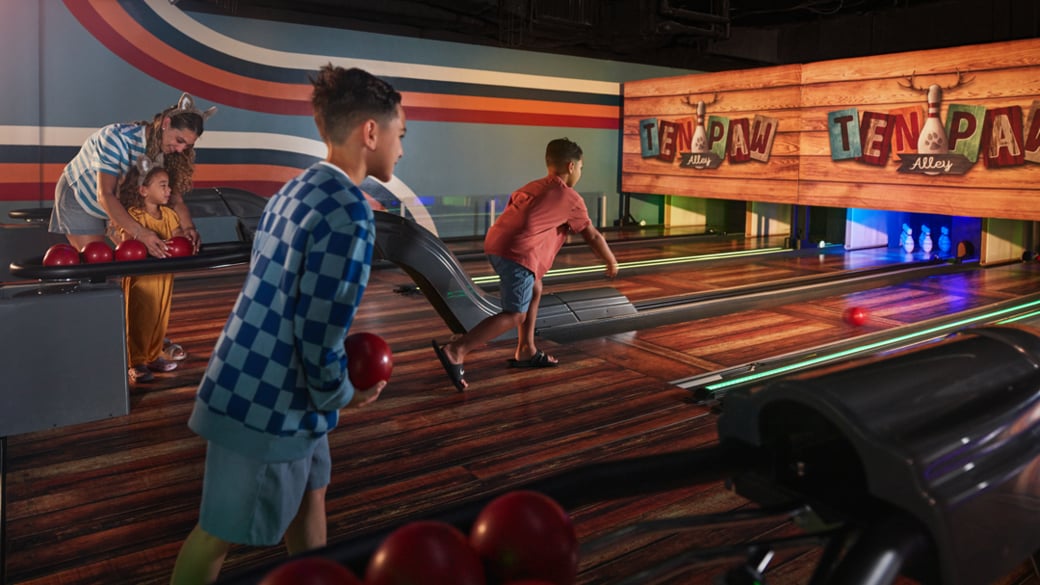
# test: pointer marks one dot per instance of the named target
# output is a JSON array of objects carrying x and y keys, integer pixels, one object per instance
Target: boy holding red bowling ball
[
  {"x": 146, "y": 193},
  {"x": 521, "y": 246},
  {"x": 278, "y": 377}
]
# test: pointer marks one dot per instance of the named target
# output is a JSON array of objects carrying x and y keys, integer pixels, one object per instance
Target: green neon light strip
[
  {"x": 644, "y": 263},
  {"x": 876, "y": 345}
]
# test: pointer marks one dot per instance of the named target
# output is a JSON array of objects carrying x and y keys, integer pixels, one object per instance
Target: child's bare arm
[{"x": 599, "y": 246}]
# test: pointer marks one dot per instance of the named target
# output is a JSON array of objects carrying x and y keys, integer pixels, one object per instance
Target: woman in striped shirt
[{"x": 85, "y": 198}]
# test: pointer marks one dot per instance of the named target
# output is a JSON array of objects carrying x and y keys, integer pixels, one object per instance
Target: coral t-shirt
[{"x": 535, "y": 224}]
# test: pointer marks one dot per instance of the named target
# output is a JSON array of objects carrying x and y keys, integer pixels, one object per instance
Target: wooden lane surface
[
  {"x": 111, "y": 501},
  {"x": 697, "y": 277}
]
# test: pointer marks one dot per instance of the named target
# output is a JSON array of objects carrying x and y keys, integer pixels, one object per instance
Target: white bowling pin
[
  {"x": 925, "y": 240},
  {"x": 944, "y": 240}
]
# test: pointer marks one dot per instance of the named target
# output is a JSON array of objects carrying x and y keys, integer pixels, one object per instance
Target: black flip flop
[
  {"x": 454, "y": 371},
  {"x": 538, "y": 360}
]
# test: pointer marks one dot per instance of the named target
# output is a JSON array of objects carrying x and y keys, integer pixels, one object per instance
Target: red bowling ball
[
  {"x": 96, "y": 252},
  {"x": 61, "y": 255},
  {"x": 369, "y": 359},
  {"x": 525, "y": 535},
  {"x": 425, "y": 553},
  {"x": 310, "y": 571},
  {"x": 131, "y": 250},
  {"x": 855, "y": 316},
  {"x": 179, "y": 246}
]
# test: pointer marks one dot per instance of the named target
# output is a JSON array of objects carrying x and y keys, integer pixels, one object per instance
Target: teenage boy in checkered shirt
[{"x": 277, "y": 377}]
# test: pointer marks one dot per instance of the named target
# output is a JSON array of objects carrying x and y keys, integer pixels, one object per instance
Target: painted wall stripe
[{"x": 192, "y": 29}]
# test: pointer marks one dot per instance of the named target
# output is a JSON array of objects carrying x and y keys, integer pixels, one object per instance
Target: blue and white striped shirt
[
  {"x": 113, "y": 149},
  {"x": 277, "y": 377}
]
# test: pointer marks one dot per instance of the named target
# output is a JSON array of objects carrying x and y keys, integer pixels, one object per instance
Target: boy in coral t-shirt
[{"x": 521, "y": 246}]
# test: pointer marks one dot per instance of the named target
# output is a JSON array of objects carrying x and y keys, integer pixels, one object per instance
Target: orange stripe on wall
[
  {"x": 458, "y": 102},
  {"x": 29, "y": 172},
  {"x": 147, "y": 43}
]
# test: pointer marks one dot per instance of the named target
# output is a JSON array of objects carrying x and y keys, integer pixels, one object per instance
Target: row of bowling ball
[
  {"x": 520, "y": 538},
  {"x": 97, "y": 252}
]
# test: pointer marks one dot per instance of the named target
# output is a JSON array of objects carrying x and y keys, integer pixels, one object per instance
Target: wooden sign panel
[{"x": 951, "y": 131}]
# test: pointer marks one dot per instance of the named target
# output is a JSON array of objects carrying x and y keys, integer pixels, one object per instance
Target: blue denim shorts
[
  {"x": 248, "y": 501},
  {"x": 517, "y": 284}
]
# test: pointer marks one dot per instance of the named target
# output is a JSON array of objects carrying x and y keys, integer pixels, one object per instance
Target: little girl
[{"x": 145, "y": 192}]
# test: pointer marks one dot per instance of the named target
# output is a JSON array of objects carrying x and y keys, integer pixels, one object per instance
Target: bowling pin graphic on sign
[
  {"x": 699, "y": 140},
  {"x": 700, "y": 133},
  {"x": 933, "y": 143},
  {"x": 933, "y": 135}
]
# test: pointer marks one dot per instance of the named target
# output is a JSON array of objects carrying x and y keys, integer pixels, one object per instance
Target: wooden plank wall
[
  {"x": 801, "y": 170},
  {"x": 775, "y": 91}
]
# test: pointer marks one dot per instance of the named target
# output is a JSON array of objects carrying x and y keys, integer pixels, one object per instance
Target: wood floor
[{"x": 111, "y": 501}]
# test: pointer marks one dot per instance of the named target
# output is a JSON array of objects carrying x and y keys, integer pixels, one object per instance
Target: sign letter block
[{"x": 843, "y": 129}]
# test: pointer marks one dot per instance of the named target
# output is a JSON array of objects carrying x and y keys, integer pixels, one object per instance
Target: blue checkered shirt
[{"x": 277, "y": 376}]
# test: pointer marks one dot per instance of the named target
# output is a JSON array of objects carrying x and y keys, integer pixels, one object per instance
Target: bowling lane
[
  {"x": 699, "y": 271},
  {"x": 723, "y": 341}
]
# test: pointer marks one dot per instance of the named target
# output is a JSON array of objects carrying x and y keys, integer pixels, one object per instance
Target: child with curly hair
[{"x": 145, "y": 192}]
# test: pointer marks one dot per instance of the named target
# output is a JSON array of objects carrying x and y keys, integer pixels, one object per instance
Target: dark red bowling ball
[
  {"x": 526, "y": 535},
  {"x": 855, "y": 316},
  {"x": 310, "y": 571},
  {"x": 369, "y": 359},
  {"x": 425, "y": 553},
  {"x": 61, "y": 255},
  {"x": 95, "y": 252},
  {"x": 179, "y": 246},
  {"x": 130, "y": 250}
]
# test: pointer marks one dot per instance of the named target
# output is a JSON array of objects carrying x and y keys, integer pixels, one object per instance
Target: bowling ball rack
[{"x": 217, "y": 255}]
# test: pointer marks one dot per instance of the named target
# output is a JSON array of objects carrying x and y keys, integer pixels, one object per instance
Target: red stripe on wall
[{"x": 26, "y": 191}]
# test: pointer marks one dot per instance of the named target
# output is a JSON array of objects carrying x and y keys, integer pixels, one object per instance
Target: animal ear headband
[
  {"x": 145, "y": 165},
  {"x": 187, "y": 105}
]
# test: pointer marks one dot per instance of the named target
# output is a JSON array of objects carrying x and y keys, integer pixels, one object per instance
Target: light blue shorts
[
  {"x": 68, "y": 216},
  {"x": 517, "y": 284},
  {"x": 247, "y": 501}
]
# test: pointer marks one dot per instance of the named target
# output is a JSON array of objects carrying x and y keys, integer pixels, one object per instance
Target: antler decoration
[
  {"x": 912, "y": 84},
  {"x": 714, "y": 98}
]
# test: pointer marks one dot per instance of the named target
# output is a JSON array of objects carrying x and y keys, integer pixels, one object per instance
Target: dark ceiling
[{"x": 709, "y": 35}]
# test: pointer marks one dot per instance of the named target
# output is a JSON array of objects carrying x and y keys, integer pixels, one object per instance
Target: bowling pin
[
  {"x": 925, "y": 240},
  {"x": 907, "y": 239},
  {"x": 944, "y": 240},
  {"x": 700, "y": 133},
  {"x": 933, "y": 135}
]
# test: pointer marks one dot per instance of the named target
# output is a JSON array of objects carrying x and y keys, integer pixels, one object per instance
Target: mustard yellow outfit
[{"x": 148, "y": 297}]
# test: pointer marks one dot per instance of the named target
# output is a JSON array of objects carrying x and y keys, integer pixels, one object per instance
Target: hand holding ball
[
  {"x": 369, "y": 360},
  {"x": 179, "y": 246}
]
